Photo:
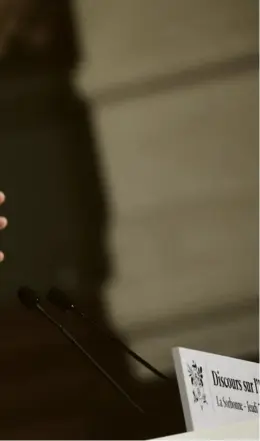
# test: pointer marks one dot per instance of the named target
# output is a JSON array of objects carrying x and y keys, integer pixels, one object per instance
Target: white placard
[
  {"x": 216, "y": 390},
  {"x": 247, "y": 430}
]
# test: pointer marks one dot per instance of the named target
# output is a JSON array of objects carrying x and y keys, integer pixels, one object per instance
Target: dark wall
[{"x": 58, "y": 208}]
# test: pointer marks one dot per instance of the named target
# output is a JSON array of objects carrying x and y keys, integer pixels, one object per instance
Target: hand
[{"x": 3, "y": 222}]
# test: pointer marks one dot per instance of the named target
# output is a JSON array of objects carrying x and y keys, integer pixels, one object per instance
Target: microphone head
[
  {"x": 59, "y": 299},
  {"x": 28, "y": 297}
]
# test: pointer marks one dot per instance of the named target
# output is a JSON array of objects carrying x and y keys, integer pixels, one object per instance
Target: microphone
[
  {"x": 59, "y": 299},
  {"x": 29, "y": 298}
]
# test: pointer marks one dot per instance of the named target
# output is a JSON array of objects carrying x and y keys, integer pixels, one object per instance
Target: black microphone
[
  {"x": 29, "y": 298},
  {"x": 62, "y": 301}
]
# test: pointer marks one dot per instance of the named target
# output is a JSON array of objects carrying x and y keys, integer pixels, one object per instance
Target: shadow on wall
[
  {"x": 59, "y": 218},
  {"x": 59, "y": 211}
]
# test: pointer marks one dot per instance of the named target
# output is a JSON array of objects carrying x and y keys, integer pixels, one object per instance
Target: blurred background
[{"x": 129, "y": 158}]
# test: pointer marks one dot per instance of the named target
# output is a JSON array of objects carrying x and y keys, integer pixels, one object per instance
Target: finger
[
  {"x": 3, "y": 223},
  {"x": 2, "y": 197}
]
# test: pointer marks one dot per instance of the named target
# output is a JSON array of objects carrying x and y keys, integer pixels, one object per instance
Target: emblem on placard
[{"x": 196, "y": 378}]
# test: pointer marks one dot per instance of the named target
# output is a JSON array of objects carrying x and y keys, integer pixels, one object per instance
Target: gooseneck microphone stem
[
  {"x": 60, "y": 299},
  {"x": 31, "y": 301},
  {"x": 70, "y": 337},
  {"x": 113, "y": 338}
]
